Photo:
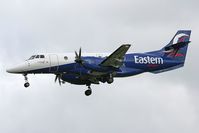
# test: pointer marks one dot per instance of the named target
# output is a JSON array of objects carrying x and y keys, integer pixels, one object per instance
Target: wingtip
[{"x": 127, "y": 45}]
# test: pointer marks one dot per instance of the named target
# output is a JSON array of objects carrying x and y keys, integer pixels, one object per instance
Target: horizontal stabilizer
[{"x": 177, "y": 45}]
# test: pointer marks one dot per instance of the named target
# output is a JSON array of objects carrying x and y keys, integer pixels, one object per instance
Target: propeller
[
  {"x": 78, "y": 57},
  {"x": 58, "y": 77}
]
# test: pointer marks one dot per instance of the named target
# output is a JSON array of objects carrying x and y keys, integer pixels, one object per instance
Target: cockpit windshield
[
  {"x": 32, "y": 57},
  {"x": 36, "y": 56}
]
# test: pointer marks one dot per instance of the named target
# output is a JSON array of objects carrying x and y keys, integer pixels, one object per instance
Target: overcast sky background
[{"x": 161, "y": 103}]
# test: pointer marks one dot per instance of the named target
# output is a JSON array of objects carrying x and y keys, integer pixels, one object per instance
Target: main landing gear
[
  {"x": 26, "y": 84},
  {"x": 89, "y": 91},
  {"x": 110, "y": 79}
]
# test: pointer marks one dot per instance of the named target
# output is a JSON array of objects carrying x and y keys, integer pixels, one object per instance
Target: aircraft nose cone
[
  {"x": 11, "y": 70},
  {"x": 21, "y": 68},
  {"x": 8, "y": 70}
]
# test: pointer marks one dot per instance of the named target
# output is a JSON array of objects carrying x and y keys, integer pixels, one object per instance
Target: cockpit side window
[
  {"x": 42, "y": 56},
  {"x": 37, "y": 56}
]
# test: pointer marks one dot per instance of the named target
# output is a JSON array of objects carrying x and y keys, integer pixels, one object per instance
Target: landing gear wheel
[
  {"x": 88, "y": 92},
  {"x": 110, "y": 79},
  {"x": 26, "y": 84}
]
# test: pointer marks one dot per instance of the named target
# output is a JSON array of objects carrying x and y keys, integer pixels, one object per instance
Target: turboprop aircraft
[{"x": 93, "y": 68}]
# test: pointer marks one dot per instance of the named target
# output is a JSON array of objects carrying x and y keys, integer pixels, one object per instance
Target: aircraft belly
[
  {"x": 124, "y": 72},
  {"x": 74, "y": 79}
]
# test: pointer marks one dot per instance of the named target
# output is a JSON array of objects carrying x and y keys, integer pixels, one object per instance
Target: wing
[{"x": 116, "y": 58}]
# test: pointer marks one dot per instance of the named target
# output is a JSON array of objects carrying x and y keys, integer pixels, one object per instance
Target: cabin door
[{"x": 54, "y": 63}]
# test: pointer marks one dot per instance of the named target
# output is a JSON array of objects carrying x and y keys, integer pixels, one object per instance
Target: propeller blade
[
  {"x": 60, "y": 80},
  {"x": 80, "y": 53},
  {"x": 58, "y": 77},
  {"x": 76, "y": 55},
  {"x": 78, "y": 58}
]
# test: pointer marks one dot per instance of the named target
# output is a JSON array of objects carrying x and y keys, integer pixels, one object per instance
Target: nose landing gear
[{"x": 26, "y": 84}]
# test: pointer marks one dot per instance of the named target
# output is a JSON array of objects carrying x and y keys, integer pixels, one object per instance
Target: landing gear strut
[
  {"x": 89, "y": 91},
  {"x": 110, "y": 79},
  {"x": 26, "y": 84}
]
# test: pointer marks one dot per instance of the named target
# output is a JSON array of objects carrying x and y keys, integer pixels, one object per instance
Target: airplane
[{"x": 95, "y": 68}]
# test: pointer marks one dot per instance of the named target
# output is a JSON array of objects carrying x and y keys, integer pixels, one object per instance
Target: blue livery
[{"x": 87, "y": 70}]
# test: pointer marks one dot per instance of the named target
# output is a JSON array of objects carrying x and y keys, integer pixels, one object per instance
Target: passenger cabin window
[{"x": 65, "y": 57}]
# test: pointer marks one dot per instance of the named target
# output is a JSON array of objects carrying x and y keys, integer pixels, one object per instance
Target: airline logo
[
  {"x": 180, "y": 38},
  {"x": 148, "y": 60}
]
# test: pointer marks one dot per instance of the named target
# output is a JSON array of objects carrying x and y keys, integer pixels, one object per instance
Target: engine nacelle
[{"x": 74, "y": 79}]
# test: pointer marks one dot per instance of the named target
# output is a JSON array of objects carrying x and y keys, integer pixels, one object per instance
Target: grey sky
[{"x": 164, "y": 103}]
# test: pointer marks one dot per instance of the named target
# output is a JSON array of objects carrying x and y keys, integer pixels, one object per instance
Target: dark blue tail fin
[
  {"x": 177, "y": 47},
  {"x": 175, "y": 52}
]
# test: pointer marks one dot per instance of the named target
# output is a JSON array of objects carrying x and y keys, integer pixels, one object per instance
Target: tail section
[
  {"x": 174, "y": 53},
  {"x": 177, "y": 47}
]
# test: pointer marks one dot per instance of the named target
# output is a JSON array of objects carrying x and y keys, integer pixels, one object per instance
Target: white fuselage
[{"x": 49, "y": 60}]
